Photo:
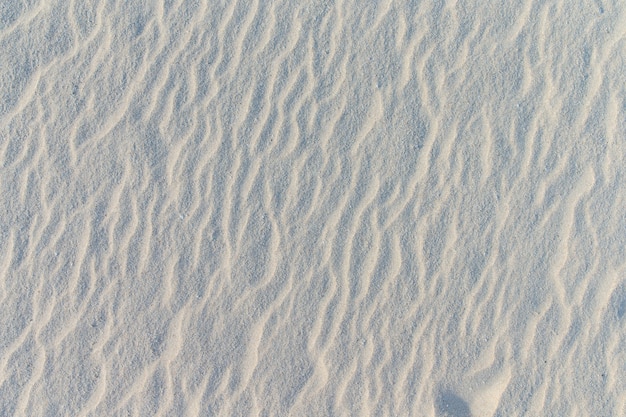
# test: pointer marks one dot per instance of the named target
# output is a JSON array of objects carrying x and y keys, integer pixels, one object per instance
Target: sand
[{"x": 315, "y": 208}]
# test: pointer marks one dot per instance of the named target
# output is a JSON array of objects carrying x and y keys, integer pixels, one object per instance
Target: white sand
[{"x": 316, "y": 208}]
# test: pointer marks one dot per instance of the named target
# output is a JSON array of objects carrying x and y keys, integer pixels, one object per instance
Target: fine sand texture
[{"x": 313, "y": 208}]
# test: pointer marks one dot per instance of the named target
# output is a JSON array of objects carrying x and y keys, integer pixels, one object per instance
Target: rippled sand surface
[{"x": 313, "y": 208}]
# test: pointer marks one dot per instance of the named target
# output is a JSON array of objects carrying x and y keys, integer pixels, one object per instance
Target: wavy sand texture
[{"x": 317, "y": 208}]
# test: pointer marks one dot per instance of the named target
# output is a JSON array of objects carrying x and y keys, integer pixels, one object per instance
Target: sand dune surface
[{"x": 316, "y": 208}]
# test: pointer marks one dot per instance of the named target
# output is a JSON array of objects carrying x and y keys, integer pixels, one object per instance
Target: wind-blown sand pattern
[{"x": 316, "y": 208}]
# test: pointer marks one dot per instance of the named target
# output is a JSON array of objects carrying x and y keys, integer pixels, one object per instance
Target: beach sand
[{"x": 316, "y": 208}]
